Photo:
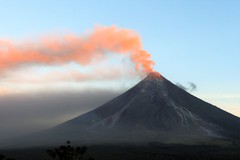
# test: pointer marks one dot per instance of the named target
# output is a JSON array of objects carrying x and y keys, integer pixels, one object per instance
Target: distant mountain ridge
[{"x": 155, "y": 110}]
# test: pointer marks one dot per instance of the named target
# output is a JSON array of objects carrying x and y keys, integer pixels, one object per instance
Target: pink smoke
[{"x": 83, "y": 50}]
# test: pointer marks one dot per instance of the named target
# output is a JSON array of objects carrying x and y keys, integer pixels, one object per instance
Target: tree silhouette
[
  {"x": 67, "y": 152},
  {"x": 3, "y": 157}
]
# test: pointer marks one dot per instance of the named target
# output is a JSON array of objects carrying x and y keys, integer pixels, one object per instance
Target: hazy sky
[{"x": 190, "y": 41}]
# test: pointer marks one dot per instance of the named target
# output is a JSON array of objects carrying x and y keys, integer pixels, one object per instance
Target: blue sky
[{"x": 190, "y": 41}]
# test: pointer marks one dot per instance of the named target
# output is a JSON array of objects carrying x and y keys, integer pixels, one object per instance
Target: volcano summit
[{"x": 155, "y": 110}]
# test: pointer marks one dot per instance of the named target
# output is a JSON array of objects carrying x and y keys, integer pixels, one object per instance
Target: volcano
[{"x": 154, "y": 110}]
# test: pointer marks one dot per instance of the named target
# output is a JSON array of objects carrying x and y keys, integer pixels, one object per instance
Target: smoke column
[{"x": 84, "y": 50}]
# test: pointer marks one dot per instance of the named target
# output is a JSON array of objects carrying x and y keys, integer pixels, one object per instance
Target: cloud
[
  {"x": 181, "y": 86},
  {"x": 25, "y": 113},
  {"x": 192, "y": 87}
]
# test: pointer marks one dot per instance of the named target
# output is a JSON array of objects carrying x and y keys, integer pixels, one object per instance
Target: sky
[{"x": 189, "y": 41}]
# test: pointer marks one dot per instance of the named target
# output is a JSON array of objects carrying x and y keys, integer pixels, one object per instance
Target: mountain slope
[{"x": 155, "y": 110}]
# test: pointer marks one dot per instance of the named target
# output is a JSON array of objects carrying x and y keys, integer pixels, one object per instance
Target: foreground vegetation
[
  {"x": 63, "y": 152},
  {"x": 133, "y": 152},
  {"x": 3, "y": 157},
  {"x": 68, "y": 152}
]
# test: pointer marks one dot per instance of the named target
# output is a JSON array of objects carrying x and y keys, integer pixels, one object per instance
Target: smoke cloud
[
  {"x": 20, "y": 61},
  {"x": 181, "y": 86},
  {"x": 25, "y": 113},
  {"x": 93, "y": 47},
  {"x": 192, "y": 87}
]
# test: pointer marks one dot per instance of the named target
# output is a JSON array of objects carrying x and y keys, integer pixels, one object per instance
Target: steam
[
  {"x": 83, "y": 50},
  {"x": 181, "y": 86},
  {"x": 192, "y": 87}
]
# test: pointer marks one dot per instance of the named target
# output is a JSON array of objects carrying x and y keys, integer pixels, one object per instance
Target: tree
[
  {"x": 3, "y": 157},
  {"x": 68, "y": 152}
]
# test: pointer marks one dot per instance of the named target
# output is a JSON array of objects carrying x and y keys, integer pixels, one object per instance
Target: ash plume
[{"x": 84, "y": 50}]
